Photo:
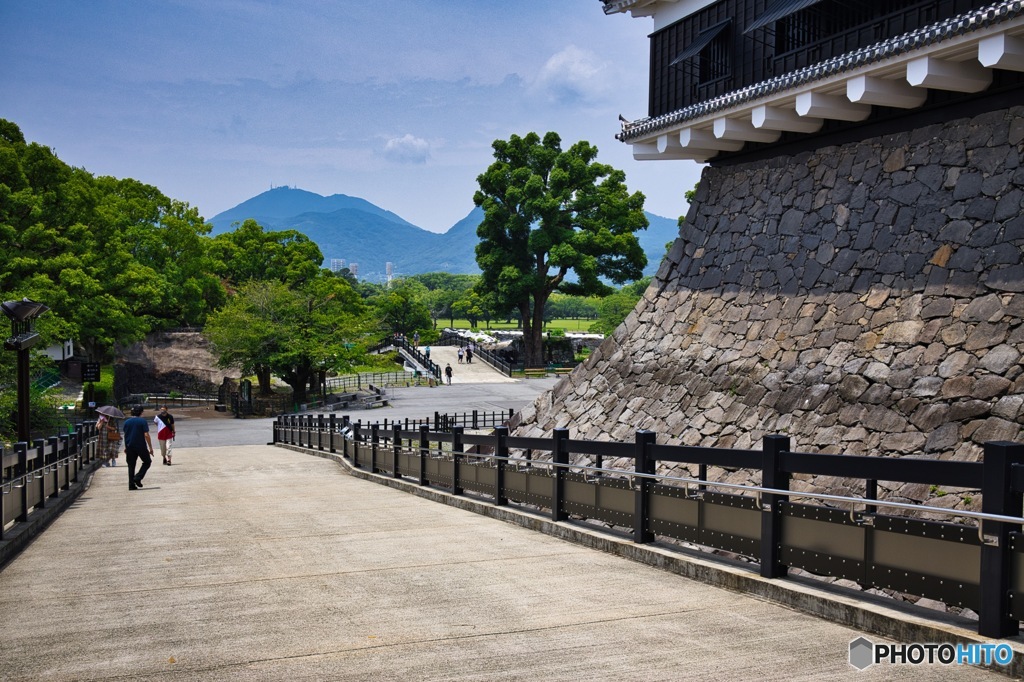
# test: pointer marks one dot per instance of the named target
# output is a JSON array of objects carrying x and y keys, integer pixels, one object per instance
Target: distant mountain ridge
[{"x": 358, "y": 231}]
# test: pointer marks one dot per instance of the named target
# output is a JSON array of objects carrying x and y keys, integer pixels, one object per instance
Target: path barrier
[
  {"x": 973, "y": 560},
  {"x": 38, "y": 480}
]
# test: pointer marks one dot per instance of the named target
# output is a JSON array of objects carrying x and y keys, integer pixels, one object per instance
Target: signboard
[{"x": 90, "y": 371}]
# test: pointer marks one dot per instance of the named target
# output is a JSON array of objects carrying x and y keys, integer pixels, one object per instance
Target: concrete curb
[{"x": 904, "y": 623}]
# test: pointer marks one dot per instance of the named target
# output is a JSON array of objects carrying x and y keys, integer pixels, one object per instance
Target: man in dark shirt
[{"x": 137, "y": 445}]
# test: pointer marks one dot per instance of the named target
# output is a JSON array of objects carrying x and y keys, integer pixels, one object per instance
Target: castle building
[{"x": 738, "y": 79}]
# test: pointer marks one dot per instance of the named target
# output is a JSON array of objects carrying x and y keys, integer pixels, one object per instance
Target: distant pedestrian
[
  {"x": 426, "y": 352},
  {"x": 164, "y": 421},
  {"x": 461, "y": 353},
  {"x": 137, "y": 445},
  {"x": 109, "y": 439},
  {"x": 416, "y": 340},
  {"x": 469, "y": 355},
  {"x": 448, "y": 373}
]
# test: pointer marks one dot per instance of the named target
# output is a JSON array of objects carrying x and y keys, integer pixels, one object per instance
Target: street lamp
[{"x": 23, "y": 336}]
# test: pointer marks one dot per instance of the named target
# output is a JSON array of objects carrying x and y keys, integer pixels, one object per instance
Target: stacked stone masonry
[{"x": 861, "y": 299}]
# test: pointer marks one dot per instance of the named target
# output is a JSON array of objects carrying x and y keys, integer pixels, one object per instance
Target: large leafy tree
[
  {"x": 554, "y": 220},
  {"x": 402, "y": 308},
  {"x": 268, "y": 328},
  {"x": 251, "y": 253},
  {"x": 113, "y": 259}
]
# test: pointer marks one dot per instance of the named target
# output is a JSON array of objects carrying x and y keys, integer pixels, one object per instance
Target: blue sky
[{"x": 394, "y": 101}]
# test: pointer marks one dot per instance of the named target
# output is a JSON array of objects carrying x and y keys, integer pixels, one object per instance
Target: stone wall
[
  {"x": 862, "y": 299},
  {"x": 168, "y": 361}
]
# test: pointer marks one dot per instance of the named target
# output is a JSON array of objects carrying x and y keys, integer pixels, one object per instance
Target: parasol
[{"x": 110, "y": 411}]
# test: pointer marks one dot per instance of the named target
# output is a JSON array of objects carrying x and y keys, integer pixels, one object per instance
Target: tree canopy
[
  {"x": 554, "y": 220},
  {"x": 113, "y": 259},
  {"x": 270, "y": 328}
]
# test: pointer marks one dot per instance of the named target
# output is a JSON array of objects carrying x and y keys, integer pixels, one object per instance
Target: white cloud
[
  {"x": 407, "y": 149},
  {"x": 574, "y": 76}
]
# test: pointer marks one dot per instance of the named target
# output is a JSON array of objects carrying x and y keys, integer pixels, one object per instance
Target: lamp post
[{"x": 23, "y": 336}]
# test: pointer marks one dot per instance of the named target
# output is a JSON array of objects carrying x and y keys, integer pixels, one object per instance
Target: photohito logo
[{"x": 865, "y": 653}]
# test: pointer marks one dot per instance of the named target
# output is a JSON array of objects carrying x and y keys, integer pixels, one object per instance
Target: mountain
[
  {"x": 357, "y": 231},
  {"x": 285, "y": 202}
]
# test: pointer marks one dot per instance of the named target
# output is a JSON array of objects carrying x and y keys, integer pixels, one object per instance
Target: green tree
[
  {"x": 268, "y": 329},
  {"x": 113, "y": 259},
  {"x": 249, "y": 253},
  {"x": 549, "y": 213},
  {"x": 471, "y": 306},
  {"x": 402, "y": 309},
  {"x": 614, "y": 308}
]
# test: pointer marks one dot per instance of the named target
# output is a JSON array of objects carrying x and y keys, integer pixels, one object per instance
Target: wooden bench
[
  {"x": 563, "y": 370},
  {"x": 535, "y": 372}
]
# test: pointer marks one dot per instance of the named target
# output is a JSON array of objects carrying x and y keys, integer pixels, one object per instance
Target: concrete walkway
[
  {"x": 260, "y": 563},
  {"x": 468, "y": 372}
]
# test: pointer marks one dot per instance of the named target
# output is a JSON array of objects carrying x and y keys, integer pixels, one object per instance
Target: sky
[{"x": 394, "y": 101}]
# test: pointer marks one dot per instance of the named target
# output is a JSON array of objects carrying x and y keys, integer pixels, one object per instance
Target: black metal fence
[
  {"x": 975, "y": 560},
  {"x": 33, "y": 474}
]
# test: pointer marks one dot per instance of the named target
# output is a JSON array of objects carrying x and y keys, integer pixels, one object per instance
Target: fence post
[
  {"x": 21, "y": 450},
  {"x": 559, "y": 456},
  {"x": 332, "y": 428},
  {"x": 39, "y": 445},
  {"x": 642, "y": 506},
  {"x": 424, "y": 429},
  {"x": 998, "y": 497},
  {"x": 456, "y": 458},
  {"x": 501, "y": 454},
  {"x": 355, "y": 442},
  {"x": 374, "y": 441},
  {"x": 772, "y": 476},
  {"x": 70, "y": 464},
  {"x": 53, "y": 442},
  {"x": 396, "y": 444},
  {"x": 475, "y": 420},
  {"x": 320, "y": 432}
]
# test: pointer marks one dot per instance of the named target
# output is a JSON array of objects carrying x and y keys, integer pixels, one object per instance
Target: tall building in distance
[
  {"x": 337, "y": 264},
  {"x": 389, "y": 271},
  {"x": 354, "y": 269}
]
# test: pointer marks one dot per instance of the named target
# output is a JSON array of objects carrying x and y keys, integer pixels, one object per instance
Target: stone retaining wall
[{"x": 863, "y": 299}]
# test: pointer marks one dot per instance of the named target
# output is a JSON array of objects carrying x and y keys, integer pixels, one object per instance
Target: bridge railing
[
  {"x": 401, "y": 343},
  {"x": 970, "y": 559},
  {"x": 33, "y": 475}
]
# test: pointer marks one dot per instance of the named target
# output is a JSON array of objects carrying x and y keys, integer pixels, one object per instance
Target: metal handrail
[{"x": 760, "y": 490}]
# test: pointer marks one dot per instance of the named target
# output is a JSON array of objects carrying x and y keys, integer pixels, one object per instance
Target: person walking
[
  {"x": 137, "y": 445},
  {"x": 460, "y": 354},
  {"x": 448, "y": 373},
  {"x": 469, "y": 355},
  {"x": 164, "y": 421},
  {"x": 426, "y": 352},
  {"x": 109, "y": 439}
]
